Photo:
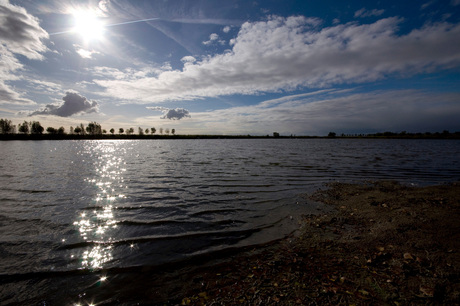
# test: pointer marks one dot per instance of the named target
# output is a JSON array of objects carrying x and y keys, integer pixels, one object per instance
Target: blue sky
[{"x": 233, "y": 67}]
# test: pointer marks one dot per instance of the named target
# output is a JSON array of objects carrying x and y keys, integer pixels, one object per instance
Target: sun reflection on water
[{"x": 97, "y": 224}]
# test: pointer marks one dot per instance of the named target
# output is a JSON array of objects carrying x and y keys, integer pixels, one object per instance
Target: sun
[{"x": 88, "y": 25}]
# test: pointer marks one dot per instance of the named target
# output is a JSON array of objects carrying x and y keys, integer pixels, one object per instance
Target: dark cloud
[
  {"x": 73, "y": 104},
  {"x": 171, "y": 113}
]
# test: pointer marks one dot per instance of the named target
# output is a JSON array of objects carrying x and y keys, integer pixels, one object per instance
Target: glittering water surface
[{"x": 73, "y": 214}]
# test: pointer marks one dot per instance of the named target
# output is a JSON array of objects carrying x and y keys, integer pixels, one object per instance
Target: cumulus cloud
[
  {"x": 20, "y": 34},
  {"x": 188, "y": 59},
  {"x": 171, "y": 113},
  {"x": 73, "y": 104},
  {"x": 226, "y": 29},
  {"x": 366, "y": 13},
  {"x": 213, "y": 38},
  {"x": 283, "y": 54}
]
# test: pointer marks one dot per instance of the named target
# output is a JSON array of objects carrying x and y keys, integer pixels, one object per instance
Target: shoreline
[
  {"x": 57, "y": 137},
  {"x": 376, "y": 242},
  {"x": 383, "y": 243}
]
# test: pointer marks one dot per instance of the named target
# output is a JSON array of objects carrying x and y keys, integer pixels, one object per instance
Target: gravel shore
[{"x": 382, "y": 243}]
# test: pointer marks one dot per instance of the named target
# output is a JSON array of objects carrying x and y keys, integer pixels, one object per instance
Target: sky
[{"x": 233, "y": 67}]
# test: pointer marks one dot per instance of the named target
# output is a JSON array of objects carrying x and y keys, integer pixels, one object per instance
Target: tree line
[{"x": 93, "y": 128}]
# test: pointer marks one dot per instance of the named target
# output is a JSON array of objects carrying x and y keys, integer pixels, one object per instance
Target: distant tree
[
  {"x": 153, "y": 130},
  {"x": 6, "y": 126},
  {"x": 140, "y": 131},
  {"x": 276, "y": 134},
  {"x": 147, "y": 131},
  {"x": 331, "y": 134},
  {"x": 161, "y": 130},
  {"x": 24, "y": 127},
  {"x": 82, "y": 129},
  {"x": 77, "y": 130},
  {"x": 104, "y": 131},
  {"x": 71, "y": 131},
  {"x": 94, "y": 128},
  {"x": 129, "y": 131},
  {"x": 167, "y": 131},
  {"x": 51, "y": 130},
  {"x": 36, "y": 128},
  {"x": 173, "y": 131},
  {"x": 61, "y": 130},
  {"x": 121, "y": 131},
  {"x": 112, "y": 131}
]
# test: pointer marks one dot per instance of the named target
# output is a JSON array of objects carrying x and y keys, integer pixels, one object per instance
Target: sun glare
[{"x": 88, "y": 25}]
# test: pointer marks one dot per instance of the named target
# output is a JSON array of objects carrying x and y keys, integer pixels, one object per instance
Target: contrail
[
  {"x": 111, "y": 25},
  {"x": 128, "y": 22}
]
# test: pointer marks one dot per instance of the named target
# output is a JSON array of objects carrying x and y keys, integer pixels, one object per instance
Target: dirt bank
[{"x": 383, "y": 243}]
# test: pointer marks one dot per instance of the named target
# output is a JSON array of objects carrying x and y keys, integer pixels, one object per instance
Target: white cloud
[
  {"x": 213, "y": 38},
  {"x": 226, "y": 29},
  {"x": 20, "y": 34},
  {"x": 323, "y": 111},
  {"x": 188, "y": 59},
  {"x": 288, "y": 53},
  {"x": 86, "y": 53},
  {"x": 171, "y": 113},
  {"x": 366, "y": 13},
  {"x": 427, "y": 4},
  {"x": 73, "y": 104}
]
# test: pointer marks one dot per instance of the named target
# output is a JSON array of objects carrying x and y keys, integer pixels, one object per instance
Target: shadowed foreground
[{"x": 383, "y": 243}]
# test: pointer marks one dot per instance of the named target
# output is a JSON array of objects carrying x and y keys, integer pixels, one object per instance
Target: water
[{"x": 72, "y": 212}]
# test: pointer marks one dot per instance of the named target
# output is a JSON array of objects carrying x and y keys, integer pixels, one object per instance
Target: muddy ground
[{"x": 382, "y": 244}]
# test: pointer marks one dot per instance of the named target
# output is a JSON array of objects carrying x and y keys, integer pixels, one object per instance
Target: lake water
[{"x": 72, "y": 212}]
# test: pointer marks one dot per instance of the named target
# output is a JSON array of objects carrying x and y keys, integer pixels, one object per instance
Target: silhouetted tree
[
  {"x": 331, "y": 134},
  {"x": 6, "y": 126},
  {"x": 140, "y": 131},
  {"x": 112, "y": 131},
  {"x": 24, "y": 128},
  {"x": 71, "y": 131},
  {"x": 36, "y": 128},
  {"x": 61, "y": 130},
  {"x": 129, "y": 131},
  {"x": 276, "y": 134},
  {"x": 153, "y": 130},
  {"x": 173, "y": 131},
  {"x": 77, "y": 130},
  {"x": 51, "y": 130},
  {"x": 94, "y": 128},
  {"x": 147, "y": 131},
  {"x": 104, "y": 131},
  {"x": 82, "y": 129},
  {"x": 121, "y": 130}
]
